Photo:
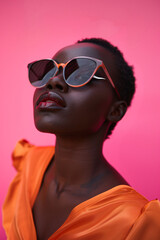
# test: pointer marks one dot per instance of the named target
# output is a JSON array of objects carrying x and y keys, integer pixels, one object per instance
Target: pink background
[{"x": 34, "y": 29}]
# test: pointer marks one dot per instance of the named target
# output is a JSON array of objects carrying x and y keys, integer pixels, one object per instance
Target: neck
[{"x": 77, "y": 160}]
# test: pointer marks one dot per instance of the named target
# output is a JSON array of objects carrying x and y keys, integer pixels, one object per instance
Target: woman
[{"x": 71, "y": 191}]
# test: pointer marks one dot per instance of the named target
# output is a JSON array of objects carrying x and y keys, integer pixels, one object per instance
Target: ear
[{"x": 117, "y": 111}]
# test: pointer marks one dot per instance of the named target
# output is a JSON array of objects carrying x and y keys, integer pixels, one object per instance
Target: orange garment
[{"x": 117, "y": 214}]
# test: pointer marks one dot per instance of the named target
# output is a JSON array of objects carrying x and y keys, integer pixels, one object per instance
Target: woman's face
[{"x": 66, "y": 110}]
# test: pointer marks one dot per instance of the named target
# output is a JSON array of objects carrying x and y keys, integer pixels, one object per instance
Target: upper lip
[{"x": 51, "y": 96}]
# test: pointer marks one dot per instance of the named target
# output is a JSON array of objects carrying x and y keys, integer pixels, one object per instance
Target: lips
[{"x": 50, "y": 100}]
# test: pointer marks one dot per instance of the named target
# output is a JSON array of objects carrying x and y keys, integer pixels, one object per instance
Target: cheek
[
  {"x": 90, "y": 113},
  {"x": 94, "y": 116}
]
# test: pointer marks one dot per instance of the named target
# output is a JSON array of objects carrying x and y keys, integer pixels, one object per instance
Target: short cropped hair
[{"x": 125, "y": 83}]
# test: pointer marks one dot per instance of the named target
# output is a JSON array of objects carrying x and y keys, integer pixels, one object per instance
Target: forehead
[
  {"x": 81, "y": 49},
  {"x": 90, "y": 50}
]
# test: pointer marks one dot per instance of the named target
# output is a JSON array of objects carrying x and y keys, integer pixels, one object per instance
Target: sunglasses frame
[{"x": 99, "y": 64}]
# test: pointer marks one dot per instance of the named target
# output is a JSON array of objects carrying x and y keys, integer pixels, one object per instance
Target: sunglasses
[{"x": 76, "y": 73}]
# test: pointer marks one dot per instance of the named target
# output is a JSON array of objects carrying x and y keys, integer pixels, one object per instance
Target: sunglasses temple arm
[{"x": 110, "y": 79}]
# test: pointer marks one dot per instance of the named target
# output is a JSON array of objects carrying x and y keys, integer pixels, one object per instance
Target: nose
[{"x": 57, "y": 82}]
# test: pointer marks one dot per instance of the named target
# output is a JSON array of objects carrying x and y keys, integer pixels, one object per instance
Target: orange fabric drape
[{"x": 117, "y": 214}]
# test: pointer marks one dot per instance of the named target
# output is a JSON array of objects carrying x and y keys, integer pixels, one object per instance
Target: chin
[
  {"x": 43, "y": 126},
  {"x": 49, "y": 127}
]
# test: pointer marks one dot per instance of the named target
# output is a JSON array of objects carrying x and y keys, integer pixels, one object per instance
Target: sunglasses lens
[
  {"x": 78, "y": 71},
  {"x": 41, "y": 71}
]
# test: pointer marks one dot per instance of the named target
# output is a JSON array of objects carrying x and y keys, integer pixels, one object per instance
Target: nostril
[
  {"x": 57, "y": 82},
  {"x": 59, "y": 86},
  {"x": 49, "y": 86}
]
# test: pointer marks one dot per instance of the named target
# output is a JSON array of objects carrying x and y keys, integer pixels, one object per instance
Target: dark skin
[{"x": 78, "y": 170}]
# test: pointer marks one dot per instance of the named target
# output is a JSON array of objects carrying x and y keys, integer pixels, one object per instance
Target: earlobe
[{"x": 117, "y": 111}]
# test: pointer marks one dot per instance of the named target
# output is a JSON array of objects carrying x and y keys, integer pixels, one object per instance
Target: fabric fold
[{"x": 119, "y": 213}]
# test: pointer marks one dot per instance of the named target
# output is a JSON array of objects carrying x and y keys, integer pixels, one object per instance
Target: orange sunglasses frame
[{"x": 63, "y": 65}]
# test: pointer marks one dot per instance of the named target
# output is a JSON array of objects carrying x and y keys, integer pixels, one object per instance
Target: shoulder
[
  {"x": 29, "y": 161},
  {"x": 19, "y": 153},
  {"x": 25, "y": 154},
  {"x": 136, "y": 211},
  {"x": 128, "y": 202},
  {"x": 147, "y": 224}
]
